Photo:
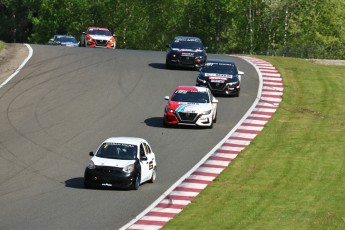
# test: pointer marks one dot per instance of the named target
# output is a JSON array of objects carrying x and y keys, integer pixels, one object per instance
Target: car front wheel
[{"x": 136, "y": 182}]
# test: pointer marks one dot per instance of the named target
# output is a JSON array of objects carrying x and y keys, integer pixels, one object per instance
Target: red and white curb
[{"x": 189, "y": 186}]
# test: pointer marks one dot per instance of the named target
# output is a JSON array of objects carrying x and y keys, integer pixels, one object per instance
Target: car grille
[
  {"x": 106, "y": 170},
  {"x": 187, "y": 60},
  {"x": 187, "y": 117},
  {"x": 101, "y": 42},
  {"x": 217, "y": 86}
]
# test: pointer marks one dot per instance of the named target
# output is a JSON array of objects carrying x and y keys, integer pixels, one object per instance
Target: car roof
[
  {"x": 97, "y": 28},
  {"x": 192, "y": 88},
  {"x": 125, "y": 140},
  {"x": 220, "y": 61}
]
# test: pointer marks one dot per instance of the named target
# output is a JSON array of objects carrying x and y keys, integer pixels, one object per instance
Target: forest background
[{"x": 295, "y": 28}]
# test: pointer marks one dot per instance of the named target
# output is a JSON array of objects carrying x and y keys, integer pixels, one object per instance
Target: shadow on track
[
  {"x": 157, "y": 122},
  {"x": 77, "y": 182},
  {"x": 163, "y": 66}
]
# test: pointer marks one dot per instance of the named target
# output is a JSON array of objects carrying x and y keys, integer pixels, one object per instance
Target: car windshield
[
  {"x": 187, "y": 44},
  {"x": 118, "y": 151},
  {"x": 222, "y": 68},
  {"x": 66, "y": 39},
  {"x": 100, "y": 32},
  {"x": 190, "y": 96}
]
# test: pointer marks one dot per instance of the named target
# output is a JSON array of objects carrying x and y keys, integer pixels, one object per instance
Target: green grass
[
  {"x": 292, "y": 176},
  {"x": 2, "y": 45}
]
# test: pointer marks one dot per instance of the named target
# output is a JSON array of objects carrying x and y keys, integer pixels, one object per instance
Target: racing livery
[
  {"x": 98, "y": 37},
  {"x": 191, "y": 105},
  {"x": 124, "y": 162},
  {"x": 221, "y": 77},
  {"x": 185, "y": 51}
]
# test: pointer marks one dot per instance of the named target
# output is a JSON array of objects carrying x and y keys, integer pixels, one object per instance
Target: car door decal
[{"x": 151, "y": 165}]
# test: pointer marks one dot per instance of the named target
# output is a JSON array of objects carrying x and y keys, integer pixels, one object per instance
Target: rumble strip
[{"x": 189, "y": 186}]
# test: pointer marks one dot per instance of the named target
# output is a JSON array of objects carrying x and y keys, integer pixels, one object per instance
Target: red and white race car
[
  {"x": 98, "y": 37},
  {"x": 191, "y": 105}
]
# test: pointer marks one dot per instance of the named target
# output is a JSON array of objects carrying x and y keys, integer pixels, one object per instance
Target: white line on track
[
  {"x": 205, "y": 171},
  {"x": 19, "y": 68}
]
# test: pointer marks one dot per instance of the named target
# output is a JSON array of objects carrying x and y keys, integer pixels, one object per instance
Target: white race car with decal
[{"x": 123, "y": 162}]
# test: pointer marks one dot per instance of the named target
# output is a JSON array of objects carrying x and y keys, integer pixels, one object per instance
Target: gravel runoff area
[
  {"x": 11, "y": 57},
  {"x": 327, "y": 61}
]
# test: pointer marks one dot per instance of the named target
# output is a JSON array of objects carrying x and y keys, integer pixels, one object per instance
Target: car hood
[
  {"x": 100, "y": 37},
  {"x": 189, "y": 107},
  {"x": 111, "y": 162},
  {"x": 69, "y": 44},
  {"x": 220, "y": 76}
]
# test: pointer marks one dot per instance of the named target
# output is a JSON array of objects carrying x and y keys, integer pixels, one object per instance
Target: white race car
[
  {"x": 123, "y": 162},
  {"x": 191, "y": 105}
]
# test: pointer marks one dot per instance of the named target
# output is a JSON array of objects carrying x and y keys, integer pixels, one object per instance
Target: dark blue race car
[
  {"x": 221, "y": 77},
  {"x": 63, "y": 40},
  {"x": 186, "y": 51}
]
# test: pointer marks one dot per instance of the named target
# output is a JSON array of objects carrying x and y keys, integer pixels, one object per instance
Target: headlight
[
  {"x": 207, "y": 112},
  {"x": 167, "y": 109},
  {"x": 88, "y": 37},
  {"x": 128, "y": 168},
  {"x": 201, "y": 80},
  {"x": 232, "y": 83},
  {"x": 91, "y": 165}
]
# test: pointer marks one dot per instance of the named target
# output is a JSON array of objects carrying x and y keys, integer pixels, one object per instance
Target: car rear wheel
[{"x": 154, "y": 175}]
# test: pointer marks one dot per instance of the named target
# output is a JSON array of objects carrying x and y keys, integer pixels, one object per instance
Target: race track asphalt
[{"x": 65, "y": 102}]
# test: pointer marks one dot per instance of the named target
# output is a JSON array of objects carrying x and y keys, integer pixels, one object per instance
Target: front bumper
[
  {"x": 101, "y": 44},
  {"x": 181, "y": 61},
  {"x": 104, "y": 176},
  {"x": 191, "y": 119},
  {"x": 220, "y": 88}
]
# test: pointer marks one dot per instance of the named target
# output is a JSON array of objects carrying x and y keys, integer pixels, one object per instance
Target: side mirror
[
  {"x": 91, "y": 154},
  {"x": 84, "y": 33},
  {"x": 214, "y": 100},
  {"x": 166, "y": 98},
  {"x": 240, "y": 72},
  {"x": 114, "y": 35}
]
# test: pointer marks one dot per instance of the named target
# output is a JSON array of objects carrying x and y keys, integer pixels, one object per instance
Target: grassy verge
[
  {"x": 2, "y": 45},
  {"x": 292, "y": 176}
]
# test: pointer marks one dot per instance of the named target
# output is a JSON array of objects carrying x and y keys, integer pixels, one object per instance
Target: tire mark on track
[{"x": 18, "y": 160}]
